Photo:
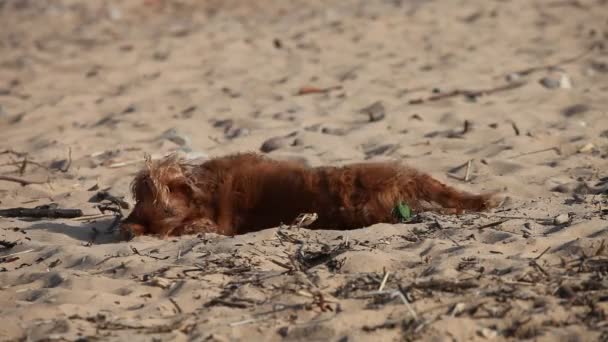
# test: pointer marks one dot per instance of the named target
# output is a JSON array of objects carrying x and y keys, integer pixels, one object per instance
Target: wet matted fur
[{"x": 247, "y": 192}]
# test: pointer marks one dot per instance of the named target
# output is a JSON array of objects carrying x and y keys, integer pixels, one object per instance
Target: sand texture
[{"x": 487, "y": 95}]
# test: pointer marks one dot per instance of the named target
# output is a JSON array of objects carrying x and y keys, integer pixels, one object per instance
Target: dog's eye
[{"x": 168, "y": 211}]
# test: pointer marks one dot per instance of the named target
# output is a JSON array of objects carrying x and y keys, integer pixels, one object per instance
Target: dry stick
[
  {"x": 69, "y": 163},
  {"x": 315, "y": 90},
  {"x": 533, "y": 263},
  {"x": 177, "y": 307},
  {"x": 18, "y": 154},
  {"x": 444, "y": 285},
  {"x": 543, "y": 253},
  {"x": 467, "y": 174},
  {"x": 121, "y": 164},
  {"x": 247, "y": 321},
  {"x": 93, "y": 217},
  {"x": 23, "y": 166},
  {"x": 384, "y": 281},
  {"x": 535, "y": 219},
  {"x": 28, "y": 162},
  {"x": 40, "y": 212},
  {"x": 21, "y": 181},
  {"x": 17, "y": 253},
  {"x": 530, "y": 70},
  {"x": 535, "y": 152},
  {"x": 468, "y": 93},
  {"x": 515, "y": 128},
  {"x": 492, "y": 224}
]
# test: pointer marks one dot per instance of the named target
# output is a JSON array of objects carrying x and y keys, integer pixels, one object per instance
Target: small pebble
[
  {"x": 556, "y": 81},
  {"x": 550, "y": 83},
  {"x": 176, "y": 137},
  {"x": 235, "y": 132},
  {"x": 587, "y": 148},
  {"x": 561, "y": 219},
  {"x": 375, "y": 111},
  {"x": 512, "y": 77},
  {"x": 276, "y": 143},
  {"x": 564, "y": 82},
  {"x": 576, "y": 109},
  {"x": 487, "y": 333},
  {"x": 333, "y": 131},
  {"x": 457, "y": 309}
]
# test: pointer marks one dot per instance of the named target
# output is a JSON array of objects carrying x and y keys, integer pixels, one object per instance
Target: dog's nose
[{"x": 130, "y": 230}]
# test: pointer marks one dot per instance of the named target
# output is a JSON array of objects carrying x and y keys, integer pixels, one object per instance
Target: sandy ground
[{"x": 517, "y": 87}]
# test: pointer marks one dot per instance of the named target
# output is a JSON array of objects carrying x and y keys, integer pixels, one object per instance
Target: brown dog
[{"x": 247, "y": 192}]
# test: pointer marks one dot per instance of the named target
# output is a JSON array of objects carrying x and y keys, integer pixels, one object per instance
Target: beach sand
[{"x": 505, "y": 96}]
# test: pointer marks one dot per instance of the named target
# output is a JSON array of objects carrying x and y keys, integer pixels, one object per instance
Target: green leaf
[{"x": 403, "y": 211}]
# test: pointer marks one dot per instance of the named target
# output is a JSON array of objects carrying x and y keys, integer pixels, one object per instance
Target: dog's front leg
[{"x": 203, "y": 225}]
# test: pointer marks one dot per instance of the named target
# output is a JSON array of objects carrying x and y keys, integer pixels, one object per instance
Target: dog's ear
[{"x": 159, "y": 178}]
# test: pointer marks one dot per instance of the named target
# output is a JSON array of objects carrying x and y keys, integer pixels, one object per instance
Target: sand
[{"x": 88, "y": 87}]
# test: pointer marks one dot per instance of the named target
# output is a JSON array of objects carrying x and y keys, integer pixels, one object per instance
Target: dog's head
[{"x": 162, "y": 192}]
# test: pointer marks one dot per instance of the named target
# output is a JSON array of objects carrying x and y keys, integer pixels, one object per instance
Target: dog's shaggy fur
[{"x": 247, "y": 192}]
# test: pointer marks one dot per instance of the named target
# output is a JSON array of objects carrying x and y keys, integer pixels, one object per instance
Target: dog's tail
[{"x": 432, "y": 190}]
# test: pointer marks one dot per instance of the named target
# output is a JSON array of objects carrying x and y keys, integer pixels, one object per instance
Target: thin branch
[
  {"x": 468, "y": 93},
  {"x": 21, "y": 181}
]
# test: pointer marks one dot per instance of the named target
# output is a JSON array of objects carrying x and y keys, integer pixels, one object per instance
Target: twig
[
  {"x": 444, "y": 285},
  {"x": 18, "y": 154},
  {"x": 533, "y": 263},
  {"x": 515, "y": 128},
  {"x": 177, "y": 307},
  {"x": 527, "y": 71},
  {"x": 246, "y": 321},
  {"x": 535, "y": 152},
  {"x": 135, "y": 251},
  {"x": 17, "y": 253},
  {"x": 28, "y": 162},
  {"x": 41, "y": 212},
  {"x": 468, "y": 93},
  {"x": 284, "y": 265},
  {"x": 92, "y": 217},
  {"x": 383, "y": 283},
  {"x": 229, "y": 304},
  {"x": 467, "y": 174},
  {"x": 69, "y": 163},
  {"x": 543, "y": 253},
  {"x": 492, "y": 224},
  {"x": 535, "y": 219},
  {"x": 21, "y": 181},
  {"x": 315, "y": 90},
  {"x": 122, "y": 164},
  {"x": 23, "y": 166}
]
